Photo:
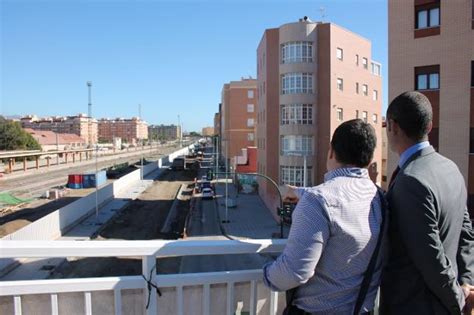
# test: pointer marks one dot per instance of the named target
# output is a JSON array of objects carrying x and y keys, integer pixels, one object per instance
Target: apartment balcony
[{"x": 227, "y": 292}]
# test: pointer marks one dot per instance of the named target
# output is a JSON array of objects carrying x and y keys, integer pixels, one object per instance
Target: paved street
[{"x": 250, "y": 219}]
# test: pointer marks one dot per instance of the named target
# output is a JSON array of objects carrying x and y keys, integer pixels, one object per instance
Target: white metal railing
[{"x": 148, "y": 251}]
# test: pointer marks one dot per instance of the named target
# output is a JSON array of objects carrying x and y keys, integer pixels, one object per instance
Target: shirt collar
[
  {"x": 412, "y": 150},
  {"x": 347, "y": 172}
]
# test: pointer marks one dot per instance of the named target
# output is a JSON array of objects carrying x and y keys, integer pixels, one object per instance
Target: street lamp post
[{"x": 272, "y": 182}]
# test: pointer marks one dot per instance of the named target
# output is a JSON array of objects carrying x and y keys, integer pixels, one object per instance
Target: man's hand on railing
[
  {"x": 289, "y": 193},
  {"x": 469, "y": 292}
]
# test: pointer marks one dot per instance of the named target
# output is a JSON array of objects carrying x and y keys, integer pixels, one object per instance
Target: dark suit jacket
[{"x": 430, "y": 236}]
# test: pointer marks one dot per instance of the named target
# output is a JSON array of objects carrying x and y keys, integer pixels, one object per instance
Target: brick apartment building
[
  {"x": 79, "y": 125},
  {"x": 129, "y": 130},
  {"x": 238, "y": 117},
  {"x": 310, "y": 77},
  {"x": 165, "y": 132},
  {"x": 431, "y": 49}
]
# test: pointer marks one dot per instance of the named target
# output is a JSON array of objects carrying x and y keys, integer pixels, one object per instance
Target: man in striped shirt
[{"x": 334, "y": 230}]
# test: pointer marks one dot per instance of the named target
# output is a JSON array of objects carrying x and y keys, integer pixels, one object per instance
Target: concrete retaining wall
[{"x": 57, "y": 223}]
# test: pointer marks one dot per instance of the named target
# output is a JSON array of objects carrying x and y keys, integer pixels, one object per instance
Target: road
[{"x": 206, "y": 224}]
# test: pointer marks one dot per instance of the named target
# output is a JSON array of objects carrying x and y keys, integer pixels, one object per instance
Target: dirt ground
[
  {"x": 38, "y": 208},
  {"x": 142, "y": 219}
]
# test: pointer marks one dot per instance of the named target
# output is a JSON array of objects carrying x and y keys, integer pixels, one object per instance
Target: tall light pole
[
  {"x": 89, "y": 112},
  {"x": 179, "y": 130},
  {"x": 89, "y": 131}
]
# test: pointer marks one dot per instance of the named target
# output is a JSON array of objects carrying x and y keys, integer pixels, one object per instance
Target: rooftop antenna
[{"x": 322, "y": 12}]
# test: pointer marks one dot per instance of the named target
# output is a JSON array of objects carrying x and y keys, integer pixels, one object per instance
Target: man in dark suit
[{"x": 430, "y": 267}]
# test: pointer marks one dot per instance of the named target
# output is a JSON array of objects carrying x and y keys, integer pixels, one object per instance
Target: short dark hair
[
  {"x": 354, "y": 143},
  {"x": 412, "y": 112}
]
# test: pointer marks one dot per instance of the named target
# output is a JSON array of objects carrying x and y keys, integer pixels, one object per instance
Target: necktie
[{"x": 394, "y": 174}]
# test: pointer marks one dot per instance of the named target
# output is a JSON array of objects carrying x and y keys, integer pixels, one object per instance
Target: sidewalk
[{"x": 250, "y": 218}]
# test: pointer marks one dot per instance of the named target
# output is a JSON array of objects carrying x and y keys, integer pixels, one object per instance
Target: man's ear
[
  {"x": 331, "y": 153},
  {"x": 429, "y": 127},
  {"x": 393, "y": 127}
]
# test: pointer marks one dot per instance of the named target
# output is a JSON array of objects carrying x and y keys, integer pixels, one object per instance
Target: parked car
[{"x": 207, "y": 193}]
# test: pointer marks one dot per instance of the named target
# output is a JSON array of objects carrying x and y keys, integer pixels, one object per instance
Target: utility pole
[
  {"x": 305, "y": 175},
  {"x": 139, "y": 124}
]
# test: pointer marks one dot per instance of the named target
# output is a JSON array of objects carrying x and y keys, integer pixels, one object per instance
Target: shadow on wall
[{"x": 12, "y": 221}]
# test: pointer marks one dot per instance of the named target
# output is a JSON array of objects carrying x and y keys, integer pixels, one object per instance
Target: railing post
[{"x": 149, "y": 272}]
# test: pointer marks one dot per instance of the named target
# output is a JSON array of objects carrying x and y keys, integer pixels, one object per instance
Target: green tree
[
  {"x": 13, "y": 137},
  {"x": 194, "y": 134}
]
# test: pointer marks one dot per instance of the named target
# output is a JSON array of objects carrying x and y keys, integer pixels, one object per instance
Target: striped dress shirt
[{"x": 334, "y": 232}]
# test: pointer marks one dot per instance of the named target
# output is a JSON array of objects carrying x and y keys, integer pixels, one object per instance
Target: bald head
[{"x": 412, "y": 112}]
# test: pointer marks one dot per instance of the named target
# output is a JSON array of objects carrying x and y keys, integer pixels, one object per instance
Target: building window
[
  {"x": 364, "y": 116},
  {"x": 295, "y": 52},
  {"x": 376, "y": 69},
  {"x": 250, "y": 108},
  {"x": 357, "y": 60},
  {"x": 427, "y": 78},
  {"x": 375, "y": 95},
  {"x": 340, "y": 54},
  {"x": 365, "y": 89},
  {"x": 296, "y": 114},
  {"x": 340, "y": 114},
  {"x": 374, "y": 118},
  {"x": 357, "y": 87},
  {"x": 293, "y": 175},
  {"x": 296, "y": 145},
  {"x": 365, "y": 63},
  {"x": 250, "y": 94},
  {"x": 250, "y": 136},
  {"x": 250, "y": 122},
  {"x": 297, "y": 83},
  {"x": 357, "y": 114},
  {"x": 340, "y": 84},
  {"x": 427, "y": 17}
]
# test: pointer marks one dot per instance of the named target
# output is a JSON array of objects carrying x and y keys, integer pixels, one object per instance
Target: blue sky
[{"x": 170, "y": 56}]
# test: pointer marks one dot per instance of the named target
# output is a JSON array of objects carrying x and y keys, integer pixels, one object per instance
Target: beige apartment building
[
  {"x": 311, "y": 77},
  {"x": 129, "y": 130},
  {"x": 208, "y": 131},
  {"x": 431, "y": 49},
  {"x": 79, "y": 125},
  {"x": 164, "y": 132},
  {"x": 238, "y": 117}
]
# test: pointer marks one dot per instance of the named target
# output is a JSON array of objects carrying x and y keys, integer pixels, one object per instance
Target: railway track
[{"x": 37, "y": 183}]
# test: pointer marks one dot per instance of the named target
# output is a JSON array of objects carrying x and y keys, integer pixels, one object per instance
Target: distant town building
[
  {"x": 79, "y": 125},
  {"x": 431, "y": 50},
  {"x": 129, "y": 130},
  {"x": 238, "y": 116},
  {"x": 312, "y": 76},
  {"x": 164, "y": 132},
  {"x": 208, "y": 131},
  {"x": 52, "y": 141}
]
